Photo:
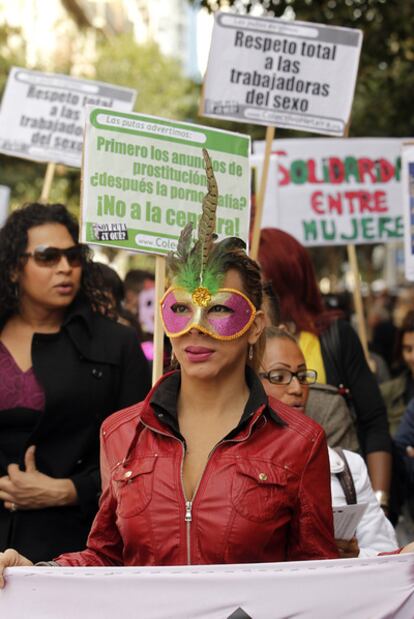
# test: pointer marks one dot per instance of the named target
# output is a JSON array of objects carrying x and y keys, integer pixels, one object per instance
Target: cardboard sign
[
  {"x": 144, "y": 179},
  {"x": 408, "y": 205},
  {"x": 289, "y": 74},
  {"x": 42, "y": 114},
  {"x": 335, "y": 192}
]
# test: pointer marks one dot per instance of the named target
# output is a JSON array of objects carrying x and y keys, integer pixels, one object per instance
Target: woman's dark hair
[
  {"x": 288, "y": 266},
  {"x": 135, "y": 279},
  {"x": 113, "y": 287},
  {"x": 111, "y": 283},
  {"x": 251, "y": 276},
  {"x": 407, "y": 326},
  {"x": 249, "y": 272},
  {"x": 13, "y": 244}
]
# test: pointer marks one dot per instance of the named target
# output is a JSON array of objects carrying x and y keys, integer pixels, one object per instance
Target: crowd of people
[{"x": 267, "y": 416}]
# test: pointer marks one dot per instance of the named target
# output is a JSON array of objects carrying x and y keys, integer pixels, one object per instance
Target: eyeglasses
[
  {"x": 50, "y": 256},
  {"x": 285, "y": 377}
]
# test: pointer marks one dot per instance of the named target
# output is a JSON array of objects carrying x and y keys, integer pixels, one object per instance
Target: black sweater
[
  {"x": 90, "y": 369},
  {"x": 345, "y": 364}
]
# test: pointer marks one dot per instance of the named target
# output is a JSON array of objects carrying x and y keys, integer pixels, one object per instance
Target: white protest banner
[
  {"x": 144, "y": 179},
  {"x": 408, "y": 205},
  {"x": 43, "y": 114},
  {"x": 271, "y": 71},
  {"x": 335, "y": 191},
  {"x": 380, "y": 587}
]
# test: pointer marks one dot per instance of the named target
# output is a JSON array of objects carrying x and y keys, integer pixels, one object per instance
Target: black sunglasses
[
  {"x": 285, "y": 377},
  {"x": 50, "y": 256}
]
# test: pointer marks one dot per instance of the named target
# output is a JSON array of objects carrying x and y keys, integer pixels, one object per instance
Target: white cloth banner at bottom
[{"x": 376, "y": 588}]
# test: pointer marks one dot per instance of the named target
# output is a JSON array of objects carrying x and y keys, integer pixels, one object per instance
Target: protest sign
[
  {"x": 408, "y": 206},
  {"x": 288, "y": 74},
  {"x": 380, "y": 587},
  {"x": 144, "y": 179},
  {"x": 335, "y": 191},
  {"x": 42, "y": 114}
]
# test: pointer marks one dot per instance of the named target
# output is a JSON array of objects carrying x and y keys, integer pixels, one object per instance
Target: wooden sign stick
[
  {"x": 358, "y": 304},
  {"x": 356, "y": 293},
  {"x": 47, "y": 183},
  {"x": 254, "y": 249},
  {"x": 158, "y": 362}
]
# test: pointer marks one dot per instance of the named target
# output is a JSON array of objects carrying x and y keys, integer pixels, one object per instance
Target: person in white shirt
[
  {"x": 374, "y": 533},
  {"x": 285, "y": 376}
]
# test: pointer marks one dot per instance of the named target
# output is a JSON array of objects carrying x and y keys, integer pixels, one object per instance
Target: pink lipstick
[{"x": 198, "y": 354}]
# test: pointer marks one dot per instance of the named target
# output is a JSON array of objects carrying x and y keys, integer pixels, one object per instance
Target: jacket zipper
[
  {"x": 189, "y": 504},
  {"x": 188, "y": 519}
]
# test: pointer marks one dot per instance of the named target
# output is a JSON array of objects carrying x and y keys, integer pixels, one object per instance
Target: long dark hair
[
  {"x": 13, "y": 243},
  {"x": 112, "y": 285},
  {"x": 407, "y": 326}
]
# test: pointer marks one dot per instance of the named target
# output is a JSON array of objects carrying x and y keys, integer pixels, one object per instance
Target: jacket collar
[
  {"x": 88, "y": 333},
  {"x": 160, "y": 408},
  {"x": 79, "y": 311}
]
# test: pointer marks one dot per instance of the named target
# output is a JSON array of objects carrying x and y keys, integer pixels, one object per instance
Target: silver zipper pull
[{"x": 188, "y": 507}]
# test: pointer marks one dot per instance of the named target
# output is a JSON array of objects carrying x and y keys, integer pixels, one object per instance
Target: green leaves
[{"x": 163, "y": 89}]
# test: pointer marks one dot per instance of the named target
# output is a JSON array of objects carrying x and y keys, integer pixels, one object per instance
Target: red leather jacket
[{"x": 264, "y": 494}]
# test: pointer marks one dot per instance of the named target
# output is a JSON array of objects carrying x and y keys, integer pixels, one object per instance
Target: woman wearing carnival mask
[{"x": 208, "y": 469}]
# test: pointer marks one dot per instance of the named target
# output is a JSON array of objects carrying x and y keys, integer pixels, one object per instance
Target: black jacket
[
  {"x": 90, "y": 369},
  {"x": 345, "y": 364}
]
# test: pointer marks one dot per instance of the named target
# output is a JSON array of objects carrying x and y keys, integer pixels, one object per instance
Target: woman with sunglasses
[
  {"x": 208, "y": 470},
  {"x": 285, "y": 376},
  {"x": 64, "y": 367}
]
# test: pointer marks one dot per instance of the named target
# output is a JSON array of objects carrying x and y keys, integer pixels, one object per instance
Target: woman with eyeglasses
[
  {"x": 285, "y": 376},
  {"x": 331, "y": 346},
  {"x": 64, "y": 367}
]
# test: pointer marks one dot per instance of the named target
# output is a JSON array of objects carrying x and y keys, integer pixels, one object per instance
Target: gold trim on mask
[{"x": 199, "y": 314}]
